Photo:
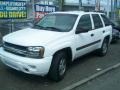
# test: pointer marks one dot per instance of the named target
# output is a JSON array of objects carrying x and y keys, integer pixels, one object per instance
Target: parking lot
[{"x": 80, "y": 69}]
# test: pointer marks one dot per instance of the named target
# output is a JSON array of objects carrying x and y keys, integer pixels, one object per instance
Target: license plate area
[{"x": 10, "y": 63}]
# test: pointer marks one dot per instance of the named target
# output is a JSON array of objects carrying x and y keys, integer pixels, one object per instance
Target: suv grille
[{"x": 16, "y": 49}]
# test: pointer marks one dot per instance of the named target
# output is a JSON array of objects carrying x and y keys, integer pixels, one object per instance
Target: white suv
[{"x": 56, "y": 40}]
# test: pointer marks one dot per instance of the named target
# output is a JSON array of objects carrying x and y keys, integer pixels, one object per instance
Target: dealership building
[
  {"x": 18, "y": 14},
  {"x": 30, "y": 9}
]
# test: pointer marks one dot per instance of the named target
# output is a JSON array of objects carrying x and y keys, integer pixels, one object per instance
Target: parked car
[
  {"x": 115, "y": 35},
  {"x": 55, "y": 41},
  {"x": 115, "y": 32}
]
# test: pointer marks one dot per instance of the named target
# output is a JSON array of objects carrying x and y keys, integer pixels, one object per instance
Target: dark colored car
[{"x": 115, "y": 32}]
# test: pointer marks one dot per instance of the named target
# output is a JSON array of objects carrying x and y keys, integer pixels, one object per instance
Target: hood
[{"x": 32, "y": 37}]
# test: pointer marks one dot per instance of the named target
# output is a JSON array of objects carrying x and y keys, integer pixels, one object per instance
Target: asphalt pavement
[
  {"x": 108, "y": 81},
  {"x": 81, "y": 68}
]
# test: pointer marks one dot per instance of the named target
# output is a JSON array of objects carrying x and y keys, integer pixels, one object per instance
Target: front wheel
[
  {"x": 58, "y": 66},
  {"x": 104, "y": 48}
]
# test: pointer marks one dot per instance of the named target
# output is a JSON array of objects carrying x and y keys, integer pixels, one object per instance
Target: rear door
[
  {"x": 107, "y": 24},
  {"x": 98, "y": 30}
]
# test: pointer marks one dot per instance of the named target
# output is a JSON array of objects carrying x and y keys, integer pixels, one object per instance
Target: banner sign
[
  {"x": 10, "y": 9},
  {"x": 41, "y": 10}
]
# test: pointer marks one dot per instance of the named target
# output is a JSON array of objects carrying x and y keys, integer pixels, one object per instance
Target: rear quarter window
[{"x": 106, "y": 20}]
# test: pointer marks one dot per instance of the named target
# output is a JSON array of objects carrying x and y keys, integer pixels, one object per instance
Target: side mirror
[{"x": 81, "y": 30}]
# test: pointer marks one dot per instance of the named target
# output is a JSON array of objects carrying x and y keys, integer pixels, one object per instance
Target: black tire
[
  {"x": 59, "y": 62},
  {"x": 104, "y": 48}
]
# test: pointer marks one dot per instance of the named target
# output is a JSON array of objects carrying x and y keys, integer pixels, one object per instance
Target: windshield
[{"x": 57, "y": 22}]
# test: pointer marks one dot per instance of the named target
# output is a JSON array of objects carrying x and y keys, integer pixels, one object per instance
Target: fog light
[{"x": 25, "y": 69}]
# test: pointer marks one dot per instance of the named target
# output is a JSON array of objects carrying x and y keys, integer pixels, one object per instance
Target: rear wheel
[
  {"x": 58, "y": 66},
  {"x": 103, "y": 50}
]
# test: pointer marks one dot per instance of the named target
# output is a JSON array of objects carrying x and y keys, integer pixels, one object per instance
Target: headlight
[{"x": 35, "y": 52}]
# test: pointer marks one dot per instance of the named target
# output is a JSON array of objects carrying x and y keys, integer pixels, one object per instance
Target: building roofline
[{"x": 77, "y": 4}]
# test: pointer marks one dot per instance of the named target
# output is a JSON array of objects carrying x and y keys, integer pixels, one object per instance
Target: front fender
[{"x": 54, "y": 47}]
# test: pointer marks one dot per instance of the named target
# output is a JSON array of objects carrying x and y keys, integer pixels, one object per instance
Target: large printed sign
[
  {"x": 41, "y": 10},
  {"x": 10, "y": 9}
]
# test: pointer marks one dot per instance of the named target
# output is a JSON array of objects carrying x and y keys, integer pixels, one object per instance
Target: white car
[{"x": 56, "y": 40}]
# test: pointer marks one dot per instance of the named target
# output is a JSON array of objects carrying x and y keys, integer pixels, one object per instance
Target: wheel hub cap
[{"x": 62, "y": 67}]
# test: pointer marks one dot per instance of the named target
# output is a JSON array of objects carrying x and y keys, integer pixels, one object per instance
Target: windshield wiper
[
  {"x": 38, "y": 26},
  {"x": 54, "y": 29},
  {"x": 47, "y": 28}
]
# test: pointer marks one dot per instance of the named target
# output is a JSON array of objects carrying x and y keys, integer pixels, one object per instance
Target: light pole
[
  {"x": 108, "y": 10},
  {"x": 33, "y": 9},
  {"x": 111, "y": 9},
  {"x": 80, "y": 4},
  {"x": 115, "y": 9}
]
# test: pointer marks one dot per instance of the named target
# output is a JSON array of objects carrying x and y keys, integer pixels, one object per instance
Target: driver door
[{"x": 84, "y": 36}]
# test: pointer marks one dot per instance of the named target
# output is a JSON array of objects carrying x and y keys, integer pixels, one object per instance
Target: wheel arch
[
  {"x": 68, "y": 52},
  {"x": 108, "y": 38}
]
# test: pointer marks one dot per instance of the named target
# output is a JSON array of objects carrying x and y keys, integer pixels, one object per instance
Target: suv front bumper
[{"x": 25, "y": 64}]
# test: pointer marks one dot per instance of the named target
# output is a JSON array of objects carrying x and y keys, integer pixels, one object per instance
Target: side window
[
  {"x": 85, "y": 23},
  {"x": 97, "y": 21},
  {"x": 106, "y": 20}
]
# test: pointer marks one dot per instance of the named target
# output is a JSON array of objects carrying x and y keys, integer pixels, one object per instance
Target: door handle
[
  {"x": 92, "y": 35},
  {"x": 103, "y": 31}
]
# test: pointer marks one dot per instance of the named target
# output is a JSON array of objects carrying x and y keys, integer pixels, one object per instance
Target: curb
[{"x": 77, "y": 84}]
